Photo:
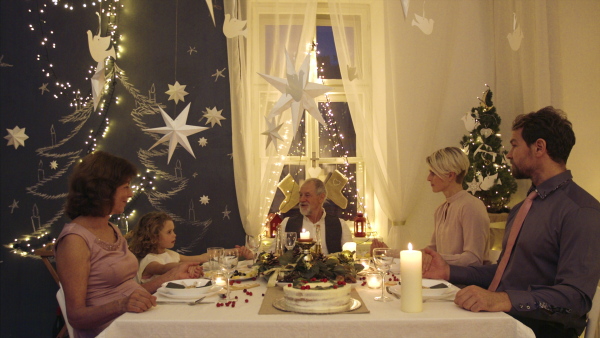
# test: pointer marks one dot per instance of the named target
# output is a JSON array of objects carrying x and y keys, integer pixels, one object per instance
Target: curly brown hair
[
  {"x": 144, "y": 237},
  {"x": 93, "y": 183}
]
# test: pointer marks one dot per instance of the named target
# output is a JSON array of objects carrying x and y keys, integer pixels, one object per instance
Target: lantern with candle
[
  {"x": 411, "y": 275},
  {"x": 273, "y": 223},
  {"x": 360, "y": 223}
]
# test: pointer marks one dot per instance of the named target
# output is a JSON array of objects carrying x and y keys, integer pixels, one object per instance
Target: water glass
[
  {"x": 214, "y": 255},
  {"x": 290, "y": 240}
]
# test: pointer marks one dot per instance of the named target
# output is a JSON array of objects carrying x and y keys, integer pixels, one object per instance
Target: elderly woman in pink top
[
  {"x": 462, "y": 225},
  {"x": 95, "y": 267}
]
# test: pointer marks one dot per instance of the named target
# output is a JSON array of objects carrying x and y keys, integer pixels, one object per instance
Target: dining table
[{"x": 249, "y": 317}]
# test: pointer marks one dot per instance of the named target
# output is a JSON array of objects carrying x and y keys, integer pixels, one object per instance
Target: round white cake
[{"x": 321, "y": 297}]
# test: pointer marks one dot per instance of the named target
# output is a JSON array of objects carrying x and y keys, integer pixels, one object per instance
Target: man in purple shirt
[{"x": 554, "y": 266}]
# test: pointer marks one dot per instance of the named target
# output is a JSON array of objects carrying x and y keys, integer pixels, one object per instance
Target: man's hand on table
[
  {"x": 434, "y": 266},
  {"x": 476, "y": 299}
]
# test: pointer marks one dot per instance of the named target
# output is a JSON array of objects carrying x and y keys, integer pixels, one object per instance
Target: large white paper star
[
  {"x": 176, "y": 92},
  {"x": 297, "y": 92},
  {"x": 16, "y": 137},
  {"x": 213, "y": 116},
  {"x": 272, "y": 132},
  {"x": 176, "y": 131}
]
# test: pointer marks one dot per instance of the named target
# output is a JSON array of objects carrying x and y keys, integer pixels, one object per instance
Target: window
[{"x": 332, "y": 148}]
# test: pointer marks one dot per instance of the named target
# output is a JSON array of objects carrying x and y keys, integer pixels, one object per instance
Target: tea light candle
[
  {"x": 305, "y": 236},
  {"x": 411, "y": 276},
  {"x": 374, "y": 280},
  {"x": 219, "y": 278}
]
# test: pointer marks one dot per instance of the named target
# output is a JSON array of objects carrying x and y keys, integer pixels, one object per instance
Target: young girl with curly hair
[{"x": 151, "y": 241}]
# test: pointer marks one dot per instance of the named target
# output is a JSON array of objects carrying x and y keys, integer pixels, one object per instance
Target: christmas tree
[{"x": 489, "y": 177}]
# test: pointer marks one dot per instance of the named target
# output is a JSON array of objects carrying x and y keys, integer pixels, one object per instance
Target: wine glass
[
  {"x": 290, "y": 240},
  {"x": 253, "y": 243},
  {"x": 228, "y": 263},
  {"x": 214, "y": 254},
  {"x": 382, "y": 257}
]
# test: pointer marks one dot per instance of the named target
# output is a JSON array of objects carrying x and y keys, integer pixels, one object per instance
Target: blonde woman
[{"x": 462, "y": 225}]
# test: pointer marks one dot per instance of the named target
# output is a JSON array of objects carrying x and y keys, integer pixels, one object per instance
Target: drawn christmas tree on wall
[{"x": 489, "y": 178}]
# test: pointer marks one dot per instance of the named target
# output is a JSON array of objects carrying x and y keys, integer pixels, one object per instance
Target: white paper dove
[
  {"x": 486, "y": 132},
  {"x": 470, "y": 122},
  {"x": 297, "y": 93},
  {"x": 488, "y": 182},
  {"x": 424, "y": 24},
  {"x": 515, "y": 38},
  {"x": 100, "y": 49},
  {"x": 233, "y": 27}
]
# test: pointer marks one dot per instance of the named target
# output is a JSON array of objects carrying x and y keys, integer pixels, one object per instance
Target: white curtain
[{"x": 290, "y": 27}]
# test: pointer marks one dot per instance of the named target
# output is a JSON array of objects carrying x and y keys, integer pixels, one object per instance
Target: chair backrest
[
  {"x": 593, "y": 316},
  {"x": 45, "y": 254},
  {"x": 60, "y": 296}
]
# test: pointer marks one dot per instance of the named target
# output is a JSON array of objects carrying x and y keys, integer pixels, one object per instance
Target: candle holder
[
  {"x": 373, "y": 280},
  {"x": 305, "y": 246}
]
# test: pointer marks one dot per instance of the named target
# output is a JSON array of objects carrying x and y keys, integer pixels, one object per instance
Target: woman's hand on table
[
  {"x": 184, "y": 270},
  {"x": 244, "y": 252},
  {"x": 139, "y": 300},
  {"x": 476, "y": 299},
  {"x": 437, "y": 266}
]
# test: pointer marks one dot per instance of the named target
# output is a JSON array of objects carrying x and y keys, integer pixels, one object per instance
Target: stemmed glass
[
  {"x": 382, "y": 257},
  {"x": 253, "y": 244},
  {"x": 290, "y": 240},
  {"x": 228, "y": 263}
]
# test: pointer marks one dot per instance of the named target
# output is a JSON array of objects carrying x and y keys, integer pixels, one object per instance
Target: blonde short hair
[{"x": 449, "y": 160}]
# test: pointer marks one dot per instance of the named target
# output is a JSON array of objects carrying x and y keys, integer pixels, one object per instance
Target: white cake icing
[{"x": 322, "y": 297}]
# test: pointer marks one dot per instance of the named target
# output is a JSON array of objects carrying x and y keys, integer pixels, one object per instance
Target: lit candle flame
[{"x": 409, "y": 246}]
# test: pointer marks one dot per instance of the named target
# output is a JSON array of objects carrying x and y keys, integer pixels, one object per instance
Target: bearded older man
[{"x": 334, "y": 232}]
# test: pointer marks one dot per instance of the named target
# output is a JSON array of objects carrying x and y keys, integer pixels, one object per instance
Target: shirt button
[
  {"x": 521, "y": 306},
  {"x": 528, "y": 307}
]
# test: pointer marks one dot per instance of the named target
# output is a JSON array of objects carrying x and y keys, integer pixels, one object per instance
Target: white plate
[
  {"x": 206, "y": 291},
  {"x": 441, "y": 293},
  {"x": 352, "y": 305},
  {"x": 250, "y": 273}
]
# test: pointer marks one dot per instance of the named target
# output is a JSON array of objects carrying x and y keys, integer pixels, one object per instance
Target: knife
[{"x": 181, "y": 303}]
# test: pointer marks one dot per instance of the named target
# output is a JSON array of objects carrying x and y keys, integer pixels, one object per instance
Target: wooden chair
[{"x": 45, "y": 254}]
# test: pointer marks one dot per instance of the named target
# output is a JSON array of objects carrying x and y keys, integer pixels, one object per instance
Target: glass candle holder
[
  {"x": 373, "y": 280},
  {"x": 219, "y": 278},
  {"x": 365, "y": 262}
]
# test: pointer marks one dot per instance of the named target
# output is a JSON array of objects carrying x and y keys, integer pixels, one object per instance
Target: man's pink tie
[{"x": 512, "y": 237}]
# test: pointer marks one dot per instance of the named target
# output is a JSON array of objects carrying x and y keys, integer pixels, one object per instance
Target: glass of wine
[
  {"x": 290, "y": 240},
  {"x": 382, "y": 257},
  {"x": 253, "y": 243},
  {"x": 229, "y": 263}
]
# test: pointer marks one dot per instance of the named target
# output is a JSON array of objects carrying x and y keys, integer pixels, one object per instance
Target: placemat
[{"x": 274, "y": 293}]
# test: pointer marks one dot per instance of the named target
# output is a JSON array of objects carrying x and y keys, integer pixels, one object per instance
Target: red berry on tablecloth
[{"x": 246, "y": 301}]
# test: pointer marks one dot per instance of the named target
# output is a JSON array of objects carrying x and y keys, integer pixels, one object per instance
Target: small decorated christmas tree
[{"x": 489, "y": 177}]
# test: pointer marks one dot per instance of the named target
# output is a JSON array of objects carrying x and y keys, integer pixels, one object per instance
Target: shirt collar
[
  {"x": 320, "y": 220},
  {"x": 552, "y": 184},
  {"x": 456, "y": 196}
]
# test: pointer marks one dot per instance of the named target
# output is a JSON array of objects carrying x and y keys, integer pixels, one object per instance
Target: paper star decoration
[
  {"x": 213, "y": 116},
  {"x": 192, "y": 50},
  {"x": 53, "y": 165},
  {"x": 334, "y": 185},
  {"x": 15, "y": 204},
  {"x": 291, "y": 191},
  {"x": 176, "y": 92},
  {"x": 176, "y": 131},
  {"x": 204, "y": 200},
  {"x": 16, "y": 137},
  {"x": 219, "y": 73},
  {"x": 473, "y": 186},
  {"x": 272, "y": 132},
  {"x": 203, "y": 141},
  {"x": 44, "y": 88},
  {"x": 297, "y": 93},
  {"x": 226, "y": 213}
]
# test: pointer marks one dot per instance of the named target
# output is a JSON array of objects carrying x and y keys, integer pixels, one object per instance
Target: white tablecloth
[{"x": 438, "y": 319}]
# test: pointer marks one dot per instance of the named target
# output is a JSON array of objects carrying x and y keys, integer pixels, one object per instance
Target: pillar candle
[
  {"x": 305, "y": 236},
  {"x": 411, "y": 279}
]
